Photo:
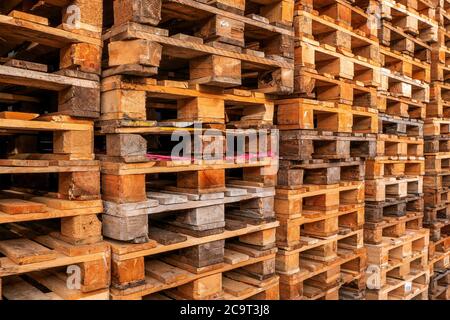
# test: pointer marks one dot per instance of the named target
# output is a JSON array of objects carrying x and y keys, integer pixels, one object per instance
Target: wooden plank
[
  {"x": 11, "y": 121},
  {"x": 9, "y": 267},
  {"x": 167, "y": 198},
  {"x": 24, "y": 251},
  {"x": 35, "y": 32},
  {"x": 234, "y": 257},
  {"x": 151, "y": 167},
  {"x": 19, "y": 206},
  {"x": 166, "y": 237},
  {"x": 15, "y": 288},
  {"x": 164, "y": 272},
  {"x": 41, "y": 80},
  {"x": 57, "y": 283},
  {"x": 29, "y": 17},
  {"x": 61, "y": 204},
  {"x": 236, "y": 288},
  {"x": 17, "y": 115},
  {"x": 9, "y": 97}
]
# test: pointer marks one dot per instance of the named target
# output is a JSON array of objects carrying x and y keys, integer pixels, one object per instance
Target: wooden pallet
[
  {"x": 440, "y": 286},
  {"x": 161, "y": 277},
  {"x": 440, "y": 57},
  {"x": 443, "y": 37},
  {"x": 353, "y": 278},
  {"x": 190, "y": 259},
  {"x": 325, "y": 60},
  {"x": 422, "y": 9},
  {"x": 197, "y": 194},
  {"x": 318, "y": 280},
  {"x": 360, "y": 41},
  {"x": 398, "y": 63},
  {"x": 327, "y": 88},
  {"x": 379, "y": 168},
  {"x": 439, "y": 255},
  {"x": 398, "y": 85},
  {"x": 436, "y": 198},
  {"x": 410, "y": 20},
  {"x": 293, "y": 174},
  {"x": 402, "y": 267},
  {"x": 437, "y": 145},
  {"x": 129, "y": 101},
  {"x": 391, "y": 227},
  {"x": 395, "y": 38},
  {"x": 437, "y": 220},
  {"x": 393, "y": 188},
  {"x": 397, "y": 106},
  {"x": 72, "y": 194},
  {"x": 415, "y": 287},
  {"x": 438, "y": 106},
  {"x": 436, "y": 127},
  {"x": 20, "y": 132},
  {"x": 377, "y": 210},
  {"x": 230, "y": 285},
  {"x": 309, "y": 144},
  {"x": 276, "y": 13},
  {"x": 343, "y": 13},
  {"x": 77, "y": 93},
  {"x": 411, "y": 243},
  {"x": 323, "y": 115},
  {"x": 73, "y": 197},
  {"x": 318, "y": 200},
  {"x": 25, "y": 252},
  {"x": 397, "y": 270},
  {"x": 305, "y": 233},
  {"x": 202, "y": 61},
  {"x": 403, "y": 127},
  {"x": 157, "y": 165},
  {"x": 437, "y": 181},
  {"x": 196, "y": 189},
  {"x": 442, "y": 17},
  {"x": 188, "y": 145},
  {"x": 49, "y": 27},
  {"x": 392, "y": 146}
]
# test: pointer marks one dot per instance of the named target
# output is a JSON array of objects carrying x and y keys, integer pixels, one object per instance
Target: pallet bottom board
[{"x": 49, "y": 288}]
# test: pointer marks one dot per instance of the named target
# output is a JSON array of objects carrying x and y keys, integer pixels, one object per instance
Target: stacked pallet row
[
  {"x": 327, "y": 129},
  {"x": 397, "y": 245},
  {"x": 51, "y": 243},
  {"x": 437, "y": 157},
  {"x": 198, "y": 223}
]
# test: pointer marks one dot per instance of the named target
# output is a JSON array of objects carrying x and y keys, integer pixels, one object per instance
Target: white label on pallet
[
  {"x": 446, "y": 260},
  {"x": 408, "y": 286}
]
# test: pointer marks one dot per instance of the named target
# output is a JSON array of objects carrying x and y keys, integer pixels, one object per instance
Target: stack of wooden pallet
[
  {"x": 51, "y": 243},
  {"x": 397, "y": 245},
  {"x": 198, "y": 224},
  {"x": 327, "y": 128},
  {"x": 437, "y": 161}
]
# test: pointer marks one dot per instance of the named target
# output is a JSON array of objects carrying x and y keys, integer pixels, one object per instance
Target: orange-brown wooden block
[
  {"x": 124, "y": 189},
  {"x": 79, "y": 185},
  {"x": 202, "y": 181},
  {"x": 127, "y": 273}
]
